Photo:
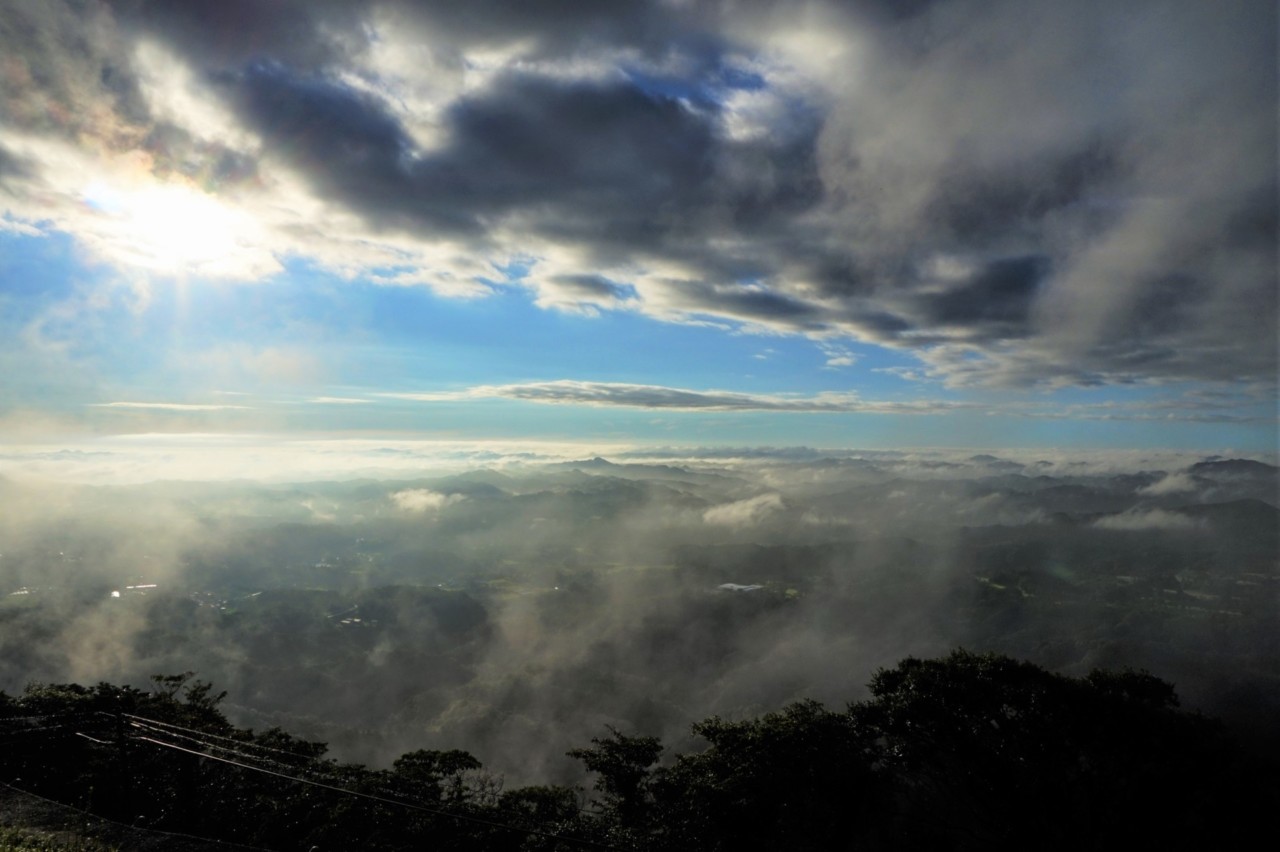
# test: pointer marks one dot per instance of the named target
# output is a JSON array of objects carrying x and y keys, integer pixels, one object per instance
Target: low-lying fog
[{"x": 516, "y": 609}]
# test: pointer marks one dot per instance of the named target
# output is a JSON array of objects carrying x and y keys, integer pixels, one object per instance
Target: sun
[{"x": 172, "y": 228}]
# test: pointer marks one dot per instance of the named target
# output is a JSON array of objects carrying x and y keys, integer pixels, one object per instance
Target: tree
[
  {"x": 623, "y": 764},
  {"x": 990, "y": 752},
  {"x": 433, "y": 776},
  {"x": 798, "y": 779}
]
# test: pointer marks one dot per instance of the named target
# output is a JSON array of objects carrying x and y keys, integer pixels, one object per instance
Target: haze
[{"x": 480, "y": 375}]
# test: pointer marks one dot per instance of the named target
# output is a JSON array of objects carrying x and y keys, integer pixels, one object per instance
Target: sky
[{"x": 885, "y": 223}]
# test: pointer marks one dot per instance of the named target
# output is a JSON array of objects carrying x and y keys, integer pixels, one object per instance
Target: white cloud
[
  {"x": 837, "y": 356},
  {"x": 423, "y": 501},
  {"x": 22, "y": 229},
  {"x": 866, "y": 185},
  {"x": 31, "y": 453},
  {"x": 1173, "y": 483},
  {"x": 743, "y": 512},
  {"x": 1148, "y": 519},
  {"x": 168, "y": 406},
  {"x": 624, "y": 395}
]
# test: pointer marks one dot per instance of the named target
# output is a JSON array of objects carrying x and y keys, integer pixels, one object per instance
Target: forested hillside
[
  {"x": 516, "y": 613},
  {"x": 964, "y": 752}
]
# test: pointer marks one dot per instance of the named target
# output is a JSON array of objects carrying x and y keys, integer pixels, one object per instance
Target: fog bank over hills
[{"x": 515, "y": 604}]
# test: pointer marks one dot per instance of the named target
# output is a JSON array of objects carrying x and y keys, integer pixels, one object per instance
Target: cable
[
  {"x": 44, "y": 717},
  {"x": 219, "y": 737},
  {"x": 202, "y": 735},
  {"x": 322, "y": 769},
  {"x": 92, "y": 739},
  {"x": 383, "y": 800},
  {"x": 211, "y": 745},
  {"x": 158, "y": 727},
  {"x": 16, "y": 735},
  {"x": 318, "y": 769}
]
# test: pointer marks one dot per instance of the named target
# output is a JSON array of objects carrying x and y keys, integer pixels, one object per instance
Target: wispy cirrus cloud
[
  {"x": 624, "y": 395},
  {"x": 1190, "y": 409},
  {"x": 170, "y": 406},
  {"x": 1177, "y": 409}
]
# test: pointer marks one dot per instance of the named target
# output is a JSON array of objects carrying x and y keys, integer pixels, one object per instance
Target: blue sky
[{"x": 797, "y": 224}]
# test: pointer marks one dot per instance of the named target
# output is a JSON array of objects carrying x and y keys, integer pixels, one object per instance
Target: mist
[{"x": 518, "y": 608}]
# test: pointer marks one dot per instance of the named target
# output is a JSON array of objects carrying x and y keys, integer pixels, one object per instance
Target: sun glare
[{"x": 171, "y": 228}]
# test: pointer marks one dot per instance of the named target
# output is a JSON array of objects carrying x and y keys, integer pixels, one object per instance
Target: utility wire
[
  {"x": 44, "y": 717},
  {"x": 318, "y": 768},
  {"x": 202, "y": 737},
  {"x": 212, "y": 745},
  {"x": 92, "y": 739},
  {"x": 384, "y": 800},
  {"x": 209, "y": 735},
  {"x": 158, "y": 727},
  {"x": 18, "y": 734}
]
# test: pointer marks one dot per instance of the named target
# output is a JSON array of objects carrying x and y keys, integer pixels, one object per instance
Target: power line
[
  {"x": 317, "y": 767},
  {"x": 45, "y": 723},
  {"x": 44, "y": 717},
  {"x": 92, "y": 739},
  {"x": 210, "y": 735},
  {"x": 382, "y": 799},
  {"x": 211, "y": 745},
  {"x": 23, "y": 735},
  {"x": 321, "y": 769},
  {"x": 201, "y": 737}
]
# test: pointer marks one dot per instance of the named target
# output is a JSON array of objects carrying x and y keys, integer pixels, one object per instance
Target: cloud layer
[
  {"x": 1016, "y": 193},
  {"x": 623, "y": 395},
  {"x": 521, "y": 602}
]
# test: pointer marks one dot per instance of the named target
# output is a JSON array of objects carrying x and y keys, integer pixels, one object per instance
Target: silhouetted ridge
[
  {"x": 1234, "y": 468},
  {"x": 967, "y": 751}
]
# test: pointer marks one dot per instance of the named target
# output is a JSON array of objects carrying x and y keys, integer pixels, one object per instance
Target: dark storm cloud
[
  {"x": 558, "y": 25},
  {"x": 587, "y": 146},
  {"x": 312, "y": 35},
  {"x": 13, "y": 166},
  {"x": 979, "y": 201},
  {"x": 1016, "y": 192},
  {"x": 603, "y": 165},
  {"x": 605, "y": 157},
  {"x": 344, "y": 140},
  {"x": 323, "y": 120},
  {"x": 591, "y": 286},
  {"x": 1119, "y": 147},
  {"x": 66, "y": 73},
  {"x": 995, "y": 301},
  {"x": 308, "y": 34}
]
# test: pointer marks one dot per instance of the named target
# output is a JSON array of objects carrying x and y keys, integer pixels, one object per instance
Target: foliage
[
  {"x": 971, "y": 751},
  {"x": 26, "y": 840},
  {"x": 799, "y": 779}
]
